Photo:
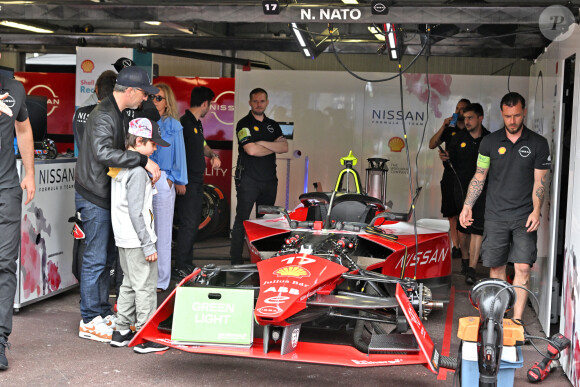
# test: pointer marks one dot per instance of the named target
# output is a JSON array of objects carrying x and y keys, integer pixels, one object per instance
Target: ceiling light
[
  {"x": 153, "y": 23},
  {"x": 298, "y": 35},
  {"x": 350, "y": 1},
  {"x": 26, "y": 27},
  {"x": 377, "y": 33},
  {"x": 391, "y": 40},
  {"x": 306, "y": 53}
]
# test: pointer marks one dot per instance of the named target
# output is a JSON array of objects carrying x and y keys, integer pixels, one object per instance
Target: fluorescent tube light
[{"x": 12, "y": 24}]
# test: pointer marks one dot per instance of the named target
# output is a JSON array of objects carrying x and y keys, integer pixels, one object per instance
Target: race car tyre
[
  {"x": 448, "y": 362},
  {"x": 215, "y": 212}
]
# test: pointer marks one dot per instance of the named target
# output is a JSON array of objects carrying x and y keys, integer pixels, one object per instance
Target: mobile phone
[{"x": 453, "y": 121}]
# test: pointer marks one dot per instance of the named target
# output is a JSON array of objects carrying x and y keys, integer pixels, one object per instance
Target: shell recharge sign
[{"x": 59, "y": 92}]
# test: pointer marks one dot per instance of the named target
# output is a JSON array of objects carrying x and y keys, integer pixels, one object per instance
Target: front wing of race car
[{"x": 422, "y": 351}]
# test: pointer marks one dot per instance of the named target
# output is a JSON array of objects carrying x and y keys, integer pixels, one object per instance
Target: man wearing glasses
[{"x": 103, "y": 146}]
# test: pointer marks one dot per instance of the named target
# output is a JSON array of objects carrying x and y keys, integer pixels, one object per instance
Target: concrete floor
[{"x": 46, "y": 351}]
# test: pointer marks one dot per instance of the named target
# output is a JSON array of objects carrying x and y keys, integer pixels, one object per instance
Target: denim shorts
[{"x": 508, "y": 241}]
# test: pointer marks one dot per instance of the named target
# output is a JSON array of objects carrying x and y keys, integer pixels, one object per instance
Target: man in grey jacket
[{"x": 103, "y": 147}]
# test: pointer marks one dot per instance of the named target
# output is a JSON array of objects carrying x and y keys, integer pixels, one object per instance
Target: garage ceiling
[{"x": 473, "y": 28}]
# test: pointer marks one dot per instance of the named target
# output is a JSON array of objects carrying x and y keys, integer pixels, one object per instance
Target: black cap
[
  {"x": 121, "y": 63},
  {"x": 136, "y": 77},
  {"x": 144, "y": 127}
]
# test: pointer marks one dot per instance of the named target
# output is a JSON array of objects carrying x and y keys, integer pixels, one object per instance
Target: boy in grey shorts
[{"x": 133, "y": 225}]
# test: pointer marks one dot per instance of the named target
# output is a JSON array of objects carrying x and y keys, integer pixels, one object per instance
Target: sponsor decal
[
  {"x": 276, "y": 300},
  {"x": 501, "y": 150},
  {"x": 396, "y": 144},
  {"x": 453, "y": 133},
  {"x": 87, "y": 66},
  {"x": 295, "y": 334},
  {"x": 256, "y": 128},
  {"x": 427, "y": 257},
  {"x": 269, "y": 310},
  {"x": 282, "y": 289},
  {"x": 270, "y": 128},
  {"x": 369, "y": 362},
  {"x": 463, "y": 145},
  {"x": 292, "y": 271},
  {"x": 524, "y": 151},
  {"x": 195, "y": 130}
]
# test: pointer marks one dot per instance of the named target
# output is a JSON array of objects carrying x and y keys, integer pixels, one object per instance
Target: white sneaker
[
  {"x": 96, "y": 330},
  {"x": 111, "y": 321}
]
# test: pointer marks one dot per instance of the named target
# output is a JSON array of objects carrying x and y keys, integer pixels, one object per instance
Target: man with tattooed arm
[{"x": 515, "y": 161}]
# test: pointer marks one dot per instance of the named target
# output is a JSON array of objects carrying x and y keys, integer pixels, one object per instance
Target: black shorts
[
  {"x": 508, "y": 241},
  {"x": 448, "y": 206}
]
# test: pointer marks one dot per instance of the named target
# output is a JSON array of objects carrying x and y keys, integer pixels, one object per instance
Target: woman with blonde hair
[{"x": 172, "y": 162}]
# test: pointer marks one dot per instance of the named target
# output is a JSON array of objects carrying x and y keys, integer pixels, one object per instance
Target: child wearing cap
[{"x": 133, "y": 225}]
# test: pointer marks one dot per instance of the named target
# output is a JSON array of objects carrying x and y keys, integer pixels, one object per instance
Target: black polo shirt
[
  {"x": 463, "y": 151},
  {"x": 194, "y": 147},
  {"x": 446, "y": 138},
  {"x": 511, "y": 172},
  {"x": 250, "y": 130}
]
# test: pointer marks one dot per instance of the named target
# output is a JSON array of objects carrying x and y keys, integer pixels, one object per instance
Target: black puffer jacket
[{"x": 103, "y": 146}]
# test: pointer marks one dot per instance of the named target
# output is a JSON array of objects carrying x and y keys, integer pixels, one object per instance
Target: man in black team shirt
[
  {"x": 13, "y": 120},
  {"x": 259, "y": 139},
  {"x": 463, "y": 150},
  {"x": 189, "y": 205},
  {"x": 515, "y": 162},
  {"x": 448, "y": 207}
]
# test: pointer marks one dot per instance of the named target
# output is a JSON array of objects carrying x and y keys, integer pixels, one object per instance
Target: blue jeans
[{"x": 98, "y": 258}]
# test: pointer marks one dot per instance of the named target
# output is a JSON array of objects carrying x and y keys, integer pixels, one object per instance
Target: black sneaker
[
  {"x": 455, "y": 252},
  {"x": 120, "y": 340},
  {"x": 3, "y": 360},
  {"x": 470, "y": 276},
  {"x": 464, "y": 266},
  {"x": 149, "y": 347}
]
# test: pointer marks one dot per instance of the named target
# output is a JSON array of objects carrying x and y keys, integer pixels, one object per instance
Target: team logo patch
[
  {"x": 463, "y": 145},
  {"x": 195, "y": 130},
  {"x": 501, "y": 150},
  {"x": 453, "y": 133},
  {"x": 524, "y": 151},
  {"x": 9, "y": 101},
  {"x": 256, "y": 128},
  {"x": 292, "y": 271},
  {"x": 270, "y": 128}
]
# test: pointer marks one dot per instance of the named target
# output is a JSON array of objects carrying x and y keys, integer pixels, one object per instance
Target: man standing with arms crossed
[
  {"x": 13, "y": 115},
  {"x": 259, "y": 139},
  {"x": 517, "y": 161}
]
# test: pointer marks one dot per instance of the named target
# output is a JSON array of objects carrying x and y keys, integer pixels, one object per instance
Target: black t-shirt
[
  {"x": 463, "y": 151},
  {"x": 146, "y": 110},
  {"x": 79, "y": 123},
  {"x": 511, "y": 172},
  {"x": 447, "y": 136},
  {"x": 16, "y": 100},
  {"x": 194, "y": 147},
  {"x": 250, "y": 130}
]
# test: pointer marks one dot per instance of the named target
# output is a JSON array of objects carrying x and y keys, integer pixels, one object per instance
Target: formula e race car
[{"x": 340, "y": 263}]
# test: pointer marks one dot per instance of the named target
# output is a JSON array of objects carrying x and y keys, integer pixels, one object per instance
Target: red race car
[{"x": 352, "y": 268}]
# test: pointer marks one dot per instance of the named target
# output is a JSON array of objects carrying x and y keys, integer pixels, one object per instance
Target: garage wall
[
  {"x": 548, "y": 112},
  {"x": 334, "y": 113}
]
